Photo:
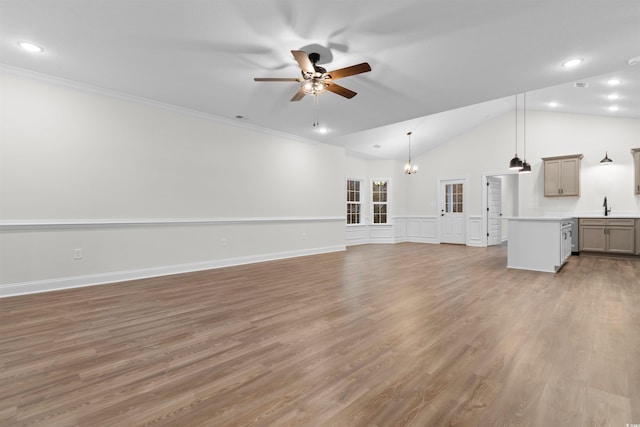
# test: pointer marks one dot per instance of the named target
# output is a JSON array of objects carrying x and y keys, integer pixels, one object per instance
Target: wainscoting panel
[
  {"x": 381, "y": 234},
  {"x": 357, "y": 235},
  {"x": 418, "y": 229},
  {"x": 474, "y": 238},
  {"x": 38, "y": 256}
]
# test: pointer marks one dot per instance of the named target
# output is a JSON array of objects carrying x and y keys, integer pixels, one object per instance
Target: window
[
  {"x": 354, "y": 203},
  {"x": 379, "y": 197},
  {"x": 453, "y": 202}
]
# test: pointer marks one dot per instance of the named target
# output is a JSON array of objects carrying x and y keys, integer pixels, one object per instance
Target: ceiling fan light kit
[{"x": 315, "y": 79}]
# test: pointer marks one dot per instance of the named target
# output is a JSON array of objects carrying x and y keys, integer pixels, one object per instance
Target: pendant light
[
  {"x": 410, "y": 169},
  {"x": 516, "y": 163},
  {"x": 606, "y": 160},
  {"x": 526, "y": 167}
]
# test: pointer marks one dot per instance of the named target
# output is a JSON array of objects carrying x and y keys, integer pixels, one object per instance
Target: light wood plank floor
[{"x": 380, "y": 335}]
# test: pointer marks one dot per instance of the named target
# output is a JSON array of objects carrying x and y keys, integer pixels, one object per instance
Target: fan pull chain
[{"x": 316, "y": 120}]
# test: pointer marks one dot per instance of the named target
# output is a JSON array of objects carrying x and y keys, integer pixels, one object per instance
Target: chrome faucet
[{"x": 606, "y": 211}]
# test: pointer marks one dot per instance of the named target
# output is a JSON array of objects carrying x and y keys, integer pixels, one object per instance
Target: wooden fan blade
[
  {"x": 277, "y": 79},
  {"x": 349, "y": 71},
  {"x": 299, "y": 95},
  {"x": 303, "y": 61},
  {"x": 340, "y": 90}
]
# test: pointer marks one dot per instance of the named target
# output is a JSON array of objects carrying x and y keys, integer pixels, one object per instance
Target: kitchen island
[{"x": 539, "y": 243}]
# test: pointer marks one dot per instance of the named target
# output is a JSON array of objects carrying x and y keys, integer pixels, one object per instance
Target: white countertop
[
  {"x": 620, "y": 215},
  {"x": 577, "y": 215},
  {"x": 539, "y": 218}
]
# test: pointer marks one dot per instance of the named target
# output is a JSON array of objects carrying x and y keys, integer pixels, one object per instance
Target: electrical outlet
[
  {"x": 77, "y": 253},
  {"x": 223, "y": 242}
]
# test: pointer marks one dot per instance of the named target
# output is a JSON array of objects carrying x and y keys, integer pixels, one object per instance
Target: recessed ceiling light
[
  {"x": 323, "y": 130},
  {"x": 377, "y": 146},
  {"x": 613, "y": 108},
  {"x": 553, "y": 104},
  {"x": 30, "y": 47},
  {"x": 581, "y": 85},
  {"x": 613, "y": 96},
  {"x": 614, "y": 82},
  {"x": 570, "y": 63}
]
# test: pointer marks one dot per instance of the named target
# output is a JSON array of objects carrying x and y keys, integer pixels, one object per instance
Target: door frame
[
  {"x": 465, "y": 204},
  {"x": 499, "y": 180},
  {"x": 485, "y": 202}
]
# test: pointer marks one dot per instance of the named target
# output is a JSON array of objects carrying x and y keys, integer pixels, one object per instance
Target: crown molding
[{"x": 88, "y": 88}]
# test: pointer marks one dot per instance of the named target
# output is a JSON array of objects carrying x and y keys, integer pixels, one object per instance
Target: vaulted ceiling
[{"x": 439, "y": 67}]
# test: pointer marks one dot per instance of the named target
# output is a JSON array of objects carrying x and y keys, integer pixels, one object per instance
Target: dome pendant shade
[
  {"x": 516, "y": 163},
  {"x": 526, "y": 167},
  {"x": 606, "y": 160}
]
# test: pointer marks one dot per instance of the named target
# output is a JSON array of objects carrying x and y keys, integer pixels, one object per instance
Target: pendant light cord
[
  {"x": 524, "y": 127},
  {"x": 516, "y": 125}
]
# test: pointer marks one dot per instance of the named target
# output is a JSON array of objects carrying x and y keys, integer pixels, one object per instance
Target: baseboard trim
[{"x": 24, "y": 288}]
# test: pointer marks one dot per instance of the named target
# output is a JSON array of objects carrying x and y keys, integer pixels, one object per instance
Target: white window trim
[
  {"x": 370, "y": 193},
  {"x": 362, "y": 200}
]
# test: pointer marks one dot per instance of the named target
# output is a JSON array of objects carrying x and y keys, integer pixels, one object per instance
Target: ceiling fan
[{"x": 315, "y": 79}]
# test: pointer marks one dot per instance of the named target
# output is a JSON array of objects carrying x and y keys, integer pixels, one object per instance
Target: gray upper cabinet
[
  {"x": 562, "y": 176},
  {"x": 636, "y": 168}
]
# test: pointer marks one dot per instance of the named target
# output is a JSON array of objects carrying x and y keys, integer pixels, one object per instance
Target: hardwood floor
[{"x": 380, "y": 335}]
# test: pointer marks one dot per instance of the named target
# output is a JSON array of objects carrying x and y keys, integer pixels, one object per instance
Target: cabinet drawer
[
  {"x": 593, "y": 221},
  {"x": 621, "y": 221}
]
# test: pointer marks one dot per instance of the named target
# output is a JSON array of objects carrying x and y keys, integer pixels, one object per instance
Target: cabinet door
[
  {"x": 593, "y": 238},
  {"x": 570, "y": 178},
  {"x": 566, "y": 245},
  {"x": 621, "y": 239},
  {"x": 552, "y": 178}
]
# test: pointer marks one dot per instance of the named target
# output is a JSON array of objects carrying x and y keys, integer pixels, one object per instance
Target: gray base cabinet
[
  {"x": 637, "y": 236},
  {"x": 613, "y": 235}
]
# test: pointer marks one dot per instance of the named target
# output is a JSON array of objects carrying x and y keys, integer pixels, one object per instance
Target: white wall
[
  {"x": 141, "y": 188},
  {"x": 489, "y": 147},
  {"x": 560, "y": 134}
]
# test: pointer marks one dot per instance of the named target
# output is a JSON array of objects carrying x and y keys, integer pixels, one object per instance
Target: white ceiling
[{"x": 429, "y": 59}]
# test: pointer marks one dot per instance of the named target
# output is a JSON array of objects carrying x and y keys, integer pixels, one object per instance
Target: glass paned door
[{"x": 452, "y": 212}]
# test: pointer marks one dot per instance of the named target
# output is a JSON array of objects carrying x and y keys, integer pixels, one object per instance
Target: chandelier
[{"x": 410, "y": 169}]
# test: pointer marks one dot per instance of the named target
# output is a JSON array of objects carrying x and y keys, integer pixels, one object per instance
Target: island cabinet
[
  {"x": 562, "y": 176},
  {"x": 612, "y": 235},
  {"x": 636, "y": 169},
  {"x": 538, "y": 243}
]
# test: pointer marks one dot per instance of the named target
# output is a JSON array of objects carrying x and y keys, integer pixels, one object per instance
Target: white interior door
[
  {"x": 494, "y": 210},
  {"x": 452, "y": 211}
]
